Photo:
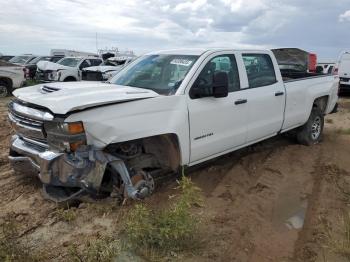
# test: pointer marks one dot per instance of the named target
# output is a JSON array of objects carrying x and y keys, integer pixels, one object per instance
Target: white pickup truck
[
  {"x": 163, "y": 111},
  {"x": 12, "y": 76},
  {"x": 68, "y": 69}
]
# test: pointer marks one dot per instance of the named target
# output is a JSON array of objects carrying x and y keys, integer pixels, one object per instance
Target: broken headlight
[
  {"x": 107, "y": 75},
  {"x": 64, "y": 136}
]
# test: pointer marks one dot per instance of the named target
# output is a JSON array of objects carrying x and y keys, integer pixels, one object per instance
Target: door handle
[
  {"x": 279, "y": 93},
  {"x": 241, "y": 101}
]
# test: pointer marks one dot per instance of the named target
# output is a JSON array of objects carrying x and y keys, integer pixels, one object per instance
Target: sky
[{"x": 320, "y": 26}]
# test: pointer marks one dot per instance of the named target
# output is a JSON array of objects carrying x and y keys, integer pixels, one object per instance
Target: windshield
[
  {"x": 22, "y": 59},
  {"x": 72, "y": 62},
  {"x": 40, "y": 58},
  {"x": 160, "y": 73}
]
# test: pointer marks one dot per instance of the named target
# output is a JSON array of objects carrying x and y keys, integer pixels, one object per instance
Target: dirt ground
[{"x": 275, "y": 201}]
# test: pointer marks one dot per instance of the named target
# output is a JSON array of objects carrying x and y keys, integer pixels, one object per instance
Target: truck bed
[{"x": 292, "y": 74}]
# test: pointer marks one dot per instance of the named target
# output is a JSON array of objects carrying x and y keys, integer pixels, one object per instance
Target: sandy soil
[{"x": 275, "y": 201}]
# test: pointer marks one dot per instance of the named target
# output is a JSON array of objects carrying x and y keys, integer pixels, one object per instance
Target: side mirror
[{"x": 220, "y": 84}]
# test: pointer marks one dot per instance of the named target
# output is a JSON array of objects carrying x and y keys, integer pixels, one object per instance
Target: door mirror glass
[{"x": 220, "y": 84}]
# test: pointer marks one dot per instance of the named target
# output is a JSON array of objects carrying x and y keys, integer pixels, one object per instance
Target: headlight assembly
[{"x": 64, "y": 136}]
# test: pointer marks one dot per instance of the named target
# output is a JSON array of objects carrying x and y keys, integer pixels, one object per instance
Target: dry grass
[
  {"x": 342, "y": 131},
  {"x": 170, "y": 230},
  {"x": 338, "y": 240},
  {"x": 100, "y": 250},
  {"x": 66, "y": 215},
  {"x": 11, "y": 249}
]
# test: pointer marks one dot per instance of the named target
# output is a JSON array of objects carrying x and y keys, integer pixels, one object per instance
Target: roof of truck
[{"x": 199, "y": 51}]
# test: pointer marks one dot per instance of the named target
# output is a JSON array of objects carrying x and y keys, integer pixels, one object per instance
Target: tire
[
  {"x": 4, "y": 90},
  {"x": 311, "y": 133}
]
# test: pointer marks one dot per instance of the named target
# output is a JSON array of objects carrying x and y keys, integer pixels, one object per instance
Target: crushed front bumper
[{"x": 82, "y": 171}]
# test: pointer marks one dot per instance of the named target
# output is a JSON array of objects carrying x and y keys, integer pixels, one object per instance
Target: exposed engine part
[
  {"x": 128, "y": 150},
  {"x": 144, "y": 183},
  {"x": 143, "y": 187}
]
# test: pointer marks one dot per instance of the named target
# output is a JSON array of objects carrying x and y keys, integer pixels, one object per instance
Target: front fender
[{"x": 137, "y": 119}]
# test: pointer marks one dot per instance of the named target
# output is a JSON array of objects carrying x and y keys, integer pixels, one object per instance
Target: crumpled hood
[
  {"x": 103, "y": 69},
  {"x": 47, "y": 65},
  {"x": 63, "y": 97}
]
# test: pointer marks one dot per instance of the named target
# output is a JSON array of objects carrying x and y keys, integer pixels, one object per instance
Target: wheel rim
[
  {"x": 3, "y": 91},
  {"x": 316, "y": 128}
]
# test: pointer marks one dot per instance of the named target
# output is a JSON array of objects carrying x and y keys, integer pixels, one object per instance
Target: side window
[
  {"x": 260, "y": 70},
  {"x": 85, "y": 63},
  {"x": 225, "y": 63},
  {"x": 95, "y": 62}
]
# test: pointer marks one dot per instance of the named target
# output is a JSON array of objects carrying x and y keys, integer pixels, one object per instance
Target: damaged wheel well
[
  {"x": 165, "y": 149},
  {"x": 146, "y": 160}
]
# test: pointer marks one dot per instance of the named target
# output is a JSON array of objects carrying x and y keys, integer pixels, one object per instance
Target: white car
[
  {"x": 67, "y": 69},
  {"x": 344, "y": 71},
  {"x": 11, "y": 77},
  {"x": 327, "y": 66},
  {"x": 22, "y": 59},
  {"x": 167, "y": 110},
  {"x": 107, "y": 69}
]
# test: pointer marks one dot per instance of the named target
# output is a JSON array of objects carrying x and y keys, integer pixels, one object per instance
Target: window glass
[
  {"x": 69, "y": 61},
  {"x": 85, "y": 63},
  {"x": 96, "y": 62},
  {"x": 260, "y": 70},
  {"x": 223, "y": 63},
  {"x": 161, "y": 73}
]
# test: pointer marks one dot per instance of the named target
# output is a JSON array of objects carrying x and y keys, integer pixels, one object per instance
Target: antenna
[{"x": 96, "y": 44}]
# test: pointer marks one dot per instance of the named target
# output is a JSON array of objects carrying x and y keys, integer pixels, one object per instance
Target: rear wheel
[{"x": 311, "y": 132}]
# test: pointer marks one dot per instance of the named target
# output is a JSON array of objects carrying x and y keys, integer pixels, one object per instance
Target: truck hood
[
  {"x": 103, "y": 69},
  {"x": 63, "y": 97},
  {"x": 47, "y": 65}
]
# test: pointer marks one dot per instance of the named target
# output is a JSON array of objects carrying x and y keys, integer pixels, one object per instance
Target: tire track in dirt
[
  {"x": 244, "y": 202},
  {"x": 326, "y": 204}
]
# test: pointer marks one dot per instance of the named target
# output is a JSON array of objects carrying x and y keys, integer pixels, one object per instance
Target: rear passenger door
[{"x": 265, "y": 96}]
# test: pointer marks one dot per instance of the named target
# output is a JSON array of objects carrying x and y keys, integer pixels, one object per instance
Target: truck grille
[
  {"x": 28, "y": 122},
  {"x": 92, "y": 76},
  {"x": 43, "y": 75}
]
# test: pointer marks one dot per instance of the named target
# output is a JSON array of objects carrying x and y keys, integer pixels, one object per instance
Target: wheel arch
[
  {"x": 321, "y": 103},
  {"x": 165, "y": 147},
  {"x": 8, "y": 81},
  {"x": 70, "y": 79}
]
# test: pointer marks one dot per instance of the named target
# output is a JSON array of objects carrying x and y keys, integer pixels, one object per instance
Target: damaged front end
[{"x": 68, "y": 168}]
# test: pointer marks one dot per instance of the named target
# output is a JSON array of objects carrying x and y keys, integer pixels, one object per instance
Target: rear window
[{"x": 260, "y": 70}]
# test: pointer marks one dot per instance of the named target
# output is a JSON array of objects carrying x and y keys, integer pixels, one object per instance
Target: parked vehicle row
[
  {"x": 107, "y": 69},
  {"x": 164, "y": 111}
]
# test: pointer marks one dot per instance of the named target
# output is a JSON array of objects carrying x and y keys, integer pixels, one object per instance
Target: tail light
[{"x": 26, "y": 72}]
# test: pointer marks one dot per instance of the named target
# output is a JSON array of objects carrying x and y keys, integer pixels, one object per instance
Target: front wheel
[
  {"x": 311, "y": 133},
  {"x": 4, "y": 90}
]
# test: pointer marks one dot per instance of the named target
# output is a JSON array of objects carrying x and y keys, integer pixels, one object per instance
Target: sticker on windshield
[{"x": 179, "y": 61}]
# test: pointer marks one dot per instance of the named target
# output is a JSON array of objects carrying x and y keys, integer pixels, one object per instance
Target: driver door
[{"x": 217, "y": 125}]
